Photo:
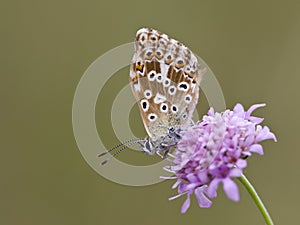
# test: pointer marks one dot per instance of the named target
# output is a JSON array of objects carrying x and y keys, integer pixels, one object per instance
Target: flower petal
[
  {"x": 265, "y": 134},
  {"x": 241, "y": 164},
  {"x": 231, "y": 189},
  {"x": 211, "y": 111},
  {"x": 254, "y": 107},
  {"x": 203, "y": 201},
  {"x": 235, "y": 172},
  {"x": 257, "y": 148},
  {"x": 186, "y": 204},
  {"x": 192, "y": 178},
  {"x": 239, "y": 111},
  {"x": 202, "y": 176},
  {"x": 212, "y": 188},
  {"x": 255, "y": 120}
]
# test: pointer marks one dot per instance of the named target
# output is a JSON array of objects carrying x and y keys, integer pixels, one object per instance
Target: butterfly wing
[{"x": 165, "y": 77}]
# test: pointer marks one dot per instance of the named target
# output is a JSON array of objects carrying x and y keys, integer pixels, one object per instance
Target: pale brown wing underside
[{"x": 165, "y": 78}]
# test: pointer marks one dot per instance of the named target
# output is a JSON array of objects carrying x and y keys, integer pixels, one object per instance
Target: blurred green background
[{"x": 253, "y": 47}]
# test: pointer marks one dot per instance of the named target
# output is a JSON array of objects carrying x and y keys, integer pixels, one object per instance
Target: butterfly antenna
[
  {"x": 121, "y": 149},
  {"x": 118, "y": 145}
]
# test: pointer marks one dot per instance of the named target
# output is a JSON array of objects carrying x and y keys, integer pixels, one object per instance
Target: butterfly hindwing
[{"x": 165, "y": 78}]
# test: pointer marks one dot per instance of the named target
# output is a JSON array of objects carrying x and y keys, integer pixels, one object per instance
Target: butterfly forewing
[{"x": 165, "y": 77}]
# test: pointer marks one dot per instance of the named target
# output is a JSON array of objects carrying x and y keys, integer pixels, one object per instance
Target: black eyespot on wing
[
  {"x": 144, "y": 105},
  {"x": 152, "y": 75},
  {"x": 188, "y": 98},
  {"x": 184, "y": 86},
  {"x": 174, "y": 108}
]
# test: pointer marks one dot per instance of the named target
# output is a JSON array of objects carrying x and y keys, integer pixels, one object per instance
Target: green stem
[{"x": 256, "y": 199}]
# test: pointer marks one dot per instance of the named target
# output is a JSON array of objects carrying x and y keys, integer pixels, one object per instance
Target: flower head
[{"x": 215, "y": 150}]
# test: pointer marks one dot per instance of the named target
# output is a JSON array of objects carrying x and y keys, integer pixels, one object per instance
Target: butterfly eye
[{"x": 148, "y": 147}]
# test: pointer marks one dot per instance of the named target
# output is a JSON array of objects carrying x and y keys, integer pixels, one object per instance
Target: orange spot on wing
[
  {"x": 135, "y": 79},
  {"x": 139, "y": 67}
]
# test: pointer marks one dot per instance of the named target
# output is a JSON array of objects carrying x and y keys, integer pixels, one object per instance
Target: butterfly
[{"x": 165, "y": 78}]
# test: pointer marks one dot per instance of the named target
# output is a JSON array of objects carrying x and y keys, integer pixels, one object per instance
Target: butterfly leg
[{"x": 160, "y": 155}]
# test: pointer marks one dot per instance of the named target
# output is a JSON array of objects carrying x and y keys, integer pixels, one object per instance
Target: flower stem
[{"x": 256, "y": 199}]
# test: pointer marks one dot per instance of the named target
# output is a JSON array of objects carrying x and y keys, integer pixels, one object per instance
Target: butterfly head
[
  {"x": 148, "y": 147},
  {"x": 162, "y": 143}
]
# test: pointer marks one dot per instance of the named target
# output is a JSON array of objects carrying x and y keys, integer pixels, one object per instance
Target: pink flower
[{"x": 214, "y": 151}]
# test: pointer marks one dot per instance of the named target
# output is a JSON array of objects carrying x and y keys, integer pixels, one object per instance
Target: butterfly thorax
[{"x": 162, "y": 143}]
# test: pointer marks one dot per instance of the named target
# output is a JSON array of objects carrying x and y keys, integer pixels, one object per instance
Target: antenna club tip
[
  {"x": 102, "y": 154},
  {"x": 104, "y": 162}
]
